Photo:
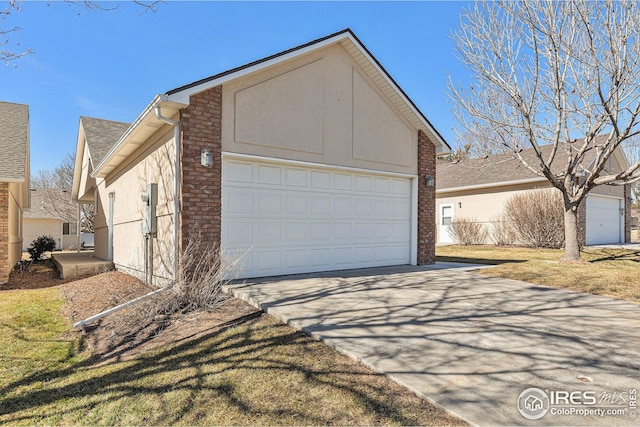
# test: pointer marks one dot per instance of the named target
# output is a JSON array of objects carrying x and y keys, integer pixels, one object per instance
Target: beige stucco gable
[{"x": 322, "y": 108}]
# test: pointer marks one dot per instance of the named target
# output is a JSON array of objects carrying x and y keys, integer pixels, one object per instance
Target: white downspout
[
  {"x": 176, "y": 190},
  {"x": 110, "y": 226},
  {"x": 78, "y": 229}
]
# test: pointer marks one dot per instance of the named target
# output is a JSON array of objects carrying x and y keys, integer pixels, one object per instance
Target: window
[
  {"x": 69, "y": 228},
  {"x": 447, "y": 214}
]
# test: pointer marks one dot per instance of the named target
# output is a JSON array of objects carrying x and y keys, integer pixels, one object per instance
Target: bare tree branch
[
  {"x": 559, "y": 74},
  {"x": 10, "y": 52},
  {"x": 55, "y": 184}
]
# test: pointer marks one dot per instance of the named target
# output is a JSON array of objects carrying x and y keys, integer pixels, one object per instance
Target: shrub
[
  {"x": 537, "y": 218},
  {"x": 41, "y": 245},
  {"x": 199, "y": 287},
  {"x": 467, "y": 231},
  {"x": 501, "y": 231}
]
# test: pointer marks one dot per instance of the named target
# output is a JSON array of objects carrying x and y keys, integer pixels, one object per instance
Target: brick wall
[
  {"x": 5, "y": 268},
  {"x": 201, "y": 124},
  {"x": 426, "y": 201}
]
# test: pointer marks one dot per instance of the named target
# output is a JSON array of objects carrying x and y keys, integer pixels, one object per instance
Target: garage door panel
[
  {"x": 363, "y": 207},
  {"x": 321, "y": 205},
  {"x": 382, "y": 231},
  {"x": 343, "y": 206},
  {"x": 295, "y": 177},
  {"x": 401, "y": 187},
  {"x": 382, "y": 208},
  {"x": 239, "y": 233},
  {"x": 382, "y": 185},
  {"x": 269, "y": 175},
  {"x": 342, "y": 181},
  {"x": 321, "y": 258},
  {"x": 296, "y": 204},
  {"x": 289, "y": 219},
  {"x": 343, "y": 256},
  {"x": 240, "y": 202},
  {"x": 363, "y": 231},
  {"x": 364, "y": 183},
  {"x": 321, "y": 180},
  {"x": 296, "y": 259},
  {"x": 239, "y": 172},
  {"x": 296, "y": 231},
  {"x": 269, "y": 203},
  {"x": 269, "y": 232},
  {"x": 320, "y": 231}
]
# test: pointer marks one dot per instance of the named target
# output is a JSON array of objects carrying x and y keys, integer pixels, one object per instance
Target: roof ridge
[{"x": 260, "y": 61}]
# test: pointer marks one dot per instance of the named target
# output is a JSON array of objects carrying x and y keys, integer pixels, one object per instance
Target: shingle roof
[
  {"x": 14, "y": 141},
  {"x": 499, "y": 168},
  {"x": 101, "y": 135},
  {"x": 42, "y": 204}
]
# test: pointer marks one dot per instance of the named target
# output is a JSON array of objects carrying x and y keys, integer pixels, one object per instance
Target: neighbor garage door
[
  {"x": 604, "y": 222},
  {"x": 290, "y": 218}
]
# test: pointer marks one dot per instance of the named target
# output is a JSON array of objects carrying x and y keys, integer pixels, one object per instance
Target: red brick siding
[
  {"x": 200, "y": 200},
  {"x": 5, "y": 268},
  {"x": 426, "y": 201}
]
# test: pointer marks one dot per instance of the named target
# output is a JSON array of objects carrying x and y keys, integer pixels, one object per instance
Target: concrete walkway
[
  {"x": 469, "y": 343},
  {"x": 74, "y": 264}
]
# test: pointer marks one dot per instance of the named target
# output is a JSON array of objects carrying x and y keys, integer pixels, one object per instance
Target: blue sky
[{"x": 110, "y": 64}]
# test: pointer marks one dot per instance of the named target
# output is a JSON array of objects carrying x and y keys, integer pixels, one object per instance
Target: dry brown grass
[
  {"x": 613, "y": 273},
  {"x": 261, "y": 372}
]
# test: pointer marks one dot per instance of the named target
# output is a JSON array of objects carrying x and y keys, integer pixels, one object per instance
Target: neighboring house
[
  {"x": 50, "y": 216},
  {"x": 310, "y": 160},
  {"x": 635, "y": 218},
  {"x": 479, "y": 188},
  {"x": 14, "y": 182}
]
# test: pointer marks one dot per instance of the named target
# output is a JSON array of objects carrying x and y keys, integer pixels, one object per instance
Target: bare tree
[
  {"x": 56, "y": 185},
  {"x": 6, "y": 54},
  {"x": 9, "y": 53},
  {"x": 563, "y": 74},
  {"x": 480, "y": 143}
]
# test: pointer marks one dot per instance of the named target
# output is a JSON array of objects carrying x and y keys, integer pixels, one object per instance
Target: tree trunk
[{"x": 571, "y": 246}]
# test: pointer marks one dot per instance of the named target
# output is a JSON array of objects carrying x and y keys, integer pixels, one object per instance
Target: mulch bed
[
  {"x": 116, "y": 336},
  {"x": 35, "y": 275}
]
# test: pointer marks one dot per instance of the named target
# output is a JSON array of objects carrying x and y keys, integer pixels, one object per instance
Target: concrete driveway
[{"x": 470, "y": 343}]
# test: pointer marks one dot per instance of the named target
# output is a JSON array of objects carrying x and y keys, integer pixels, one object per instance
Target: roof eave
[
  {"x": 145, "y": 125},
  {"x": 490, "y": 185},
  {"x": 77, "y": 166},
  {"x": 12, "y": 179}
]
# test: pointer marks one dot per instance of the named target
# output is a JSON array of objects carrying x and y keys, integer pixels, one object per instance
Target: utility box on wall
[{"x": 150, "y": 220}]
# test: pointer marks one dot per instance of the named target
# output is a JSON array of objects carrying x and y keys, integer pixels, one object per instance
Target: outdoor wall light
[
  {"x": 206, "y": 157},
  {"x": 459, "y": 205},
  {"x": 429, "y": 181}
]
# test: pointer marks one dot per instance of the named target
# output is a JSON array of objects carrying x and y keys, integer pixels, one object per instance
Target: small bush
[
  {"x": 537, "y": 218},
  {"x": 467, "y": 231},
  {"x": 199, "y": 287},
  {"x": 41, "y": 245},
  {"x": 501, "y": 231}
]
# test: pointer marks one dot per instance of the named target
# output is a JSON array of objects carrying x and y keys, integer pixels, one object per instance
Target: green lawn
[
  {"x": 609, "y": 272},
  {"x": 259, "y": 373}
]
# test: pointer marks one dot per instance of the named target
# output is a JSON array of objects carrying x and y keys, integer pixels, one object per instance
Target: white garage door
[
  {"x": 604, "y": 221},
  {"x": 289, "y": 218}
]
